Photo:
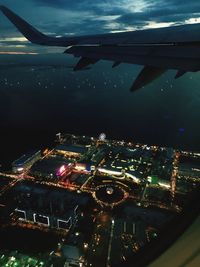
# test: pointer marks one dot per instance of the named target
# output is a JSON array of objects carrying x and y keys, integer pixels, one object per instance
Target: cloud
[
  {"x": 80, "y": 17},
  {"x": 98, "y": 7},
  {"x": 162, "y": 11},
  {"x": 14, "y": 39}
]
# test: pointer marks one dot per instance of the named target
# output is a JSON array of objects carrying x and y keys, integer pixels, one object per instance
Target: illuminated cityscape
[
  {"x": 100, "y": 151},
  {"x": 95, "y": 201}
]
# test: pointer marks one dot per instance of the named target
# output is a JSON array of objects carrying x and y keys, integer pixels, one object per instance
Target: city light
[
  {"x": 61, "y": 170},
  {"x": 62, "y": 197}
]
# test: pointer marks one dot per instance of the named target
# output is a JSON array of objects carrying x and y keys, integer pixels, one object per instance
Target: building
[
  {"x": 71, "y": 150},
  {"x": 26, "y": 161},
  {"x": 42, "y": 206},
  {"x": 52, "y": 168},
  {"x": 189, "y": 167}
]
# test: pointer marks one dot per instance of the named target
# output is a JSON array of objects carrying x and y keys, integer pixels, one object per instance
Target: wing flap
[
  {"x": 167, "y": 57},
  {"x": 84, "y": 62},
  {"x": 116, "y": 64},
  {"x": 179, "y": 74},
  {"x": 146, "y": 76}
]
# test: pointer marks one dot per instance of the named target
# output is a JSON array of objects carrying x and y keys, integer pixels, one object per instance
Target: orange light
[{"x": 17, "y": 53}]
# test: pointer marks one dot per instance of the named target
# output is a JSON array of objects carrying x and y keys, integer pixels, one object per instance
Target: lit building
[
  {"x": 71, "y": 150},
  {"x": 189, "y": 167},
  {"x": 51, "y": 168},
  {"x": 26, "y": 161},
  {"x": 42, "y": 206}
]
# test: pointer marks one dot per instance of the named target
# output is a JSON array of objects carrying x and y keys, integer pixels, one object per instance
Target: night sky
[{"x": 41, "y": 95}]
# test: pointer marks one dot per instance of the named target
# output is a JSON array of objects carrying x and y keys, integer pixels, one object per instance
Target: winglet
[{"x": 32, "y": 34}]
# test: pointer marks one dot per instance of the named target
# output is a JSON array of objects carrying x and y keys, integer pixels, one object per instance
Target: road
[{"x": 98, "y": 249}]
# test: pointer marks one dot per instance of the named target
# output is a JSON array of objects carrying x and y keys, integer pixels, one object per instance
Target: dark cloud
[
  {"x": 155, "y": 7},
  {"x": 97, "y": 7},
  {"x": 79, "y": 17},
  {"x": 176, "y": 11},
  {"x": 62, "y": 3},
  {"x": 156, "y": 16}
]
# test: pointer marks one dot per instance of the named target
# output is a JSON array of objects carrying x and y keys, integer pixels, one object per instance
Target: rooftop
[
  {"x": 49, "y": 166},
  {"x": 26, "y": 157},
  {"x": 72, "y": 148}
]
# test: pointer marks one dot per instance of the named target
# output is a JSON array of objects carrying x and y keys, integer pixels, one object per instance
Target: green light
[{"x": 153, "y": 179}]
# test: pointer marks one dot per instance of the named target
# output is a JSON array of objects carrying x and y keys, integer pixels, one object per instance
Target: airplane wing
[{"x": 157, "y": 50}]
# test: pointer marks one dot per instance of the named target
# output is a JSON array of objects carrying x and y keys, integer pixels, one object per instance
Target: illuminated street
[{"x": 104, "y": 201}]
